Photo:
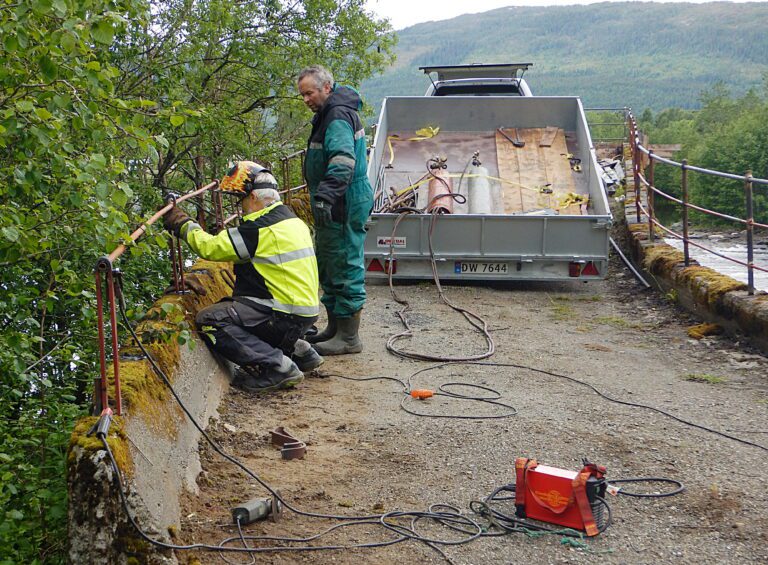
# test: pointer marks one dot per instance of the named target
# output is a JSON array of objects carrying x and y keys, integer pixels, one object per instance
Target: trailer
[{"x": 489, "y": 187}]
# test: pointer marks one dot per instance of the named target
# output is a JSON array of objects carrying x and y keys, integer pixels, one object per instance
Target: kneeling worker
[{"x": 275, "y": 298}]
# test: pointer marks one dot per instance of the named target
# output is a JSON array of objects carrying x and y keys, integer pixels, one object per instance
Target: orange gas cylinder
[{"x": 440, "y": 189}]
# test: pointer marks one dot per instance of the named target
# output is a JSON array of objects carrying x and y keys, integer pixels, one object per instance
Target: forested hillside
[{"x": 640, "y": 54}]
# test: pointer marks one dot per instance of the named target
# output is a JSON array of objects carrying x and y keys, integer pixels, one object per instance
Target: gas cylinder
[
  {"x": 440, "y": 188},
  {"x": 479, "y": 191}
]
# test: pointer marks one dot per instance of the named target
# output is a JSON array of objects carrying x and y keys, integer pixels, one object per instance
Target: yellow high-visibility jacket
[{"x": 274, "y": 259}]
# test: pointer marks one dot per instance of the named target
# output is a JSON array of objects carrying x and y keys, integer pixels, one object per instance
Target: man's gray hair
[
  {"x": 321, "y": 75},
  {"x": 266, "y": 195}
]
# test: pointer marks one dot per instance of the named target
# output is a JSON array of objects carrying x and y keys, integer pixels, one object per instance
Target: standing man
[
  {"x": 342, "y": 199},
  {"x": 275, "y": 298}
]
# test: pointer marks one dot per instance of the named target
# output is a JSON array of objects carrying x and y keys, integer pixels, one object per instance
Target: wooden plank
[
  {"x": 548, "y": 137},
  {"x": 528, "y": 169},
  {"x": 560, "y": 173}
]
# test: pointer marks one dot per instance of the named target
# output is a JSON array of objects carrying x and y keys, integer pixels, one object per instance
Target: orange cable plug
[{"x": 422, "y": 393}]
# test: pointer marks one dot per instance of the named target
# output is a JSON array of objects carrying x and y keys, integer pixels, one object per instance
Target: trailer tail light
[
  {"x": 574, "y": 269},
  {"x": 589, "y": 270},
  {"x": 376, "y": 266}
]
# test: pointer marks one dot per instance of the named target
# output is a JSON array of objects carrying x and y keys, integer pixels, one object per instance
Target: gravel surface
[{"x": 367, "y": 455}]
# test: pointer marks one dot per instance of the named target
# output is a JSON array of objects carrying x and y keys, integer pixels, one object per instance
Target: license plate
[{"x": 464, "y": 268}]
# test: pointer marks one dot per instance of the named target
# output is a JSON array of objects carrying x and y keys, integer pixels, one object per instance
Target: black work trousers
[{"x": 250, "y": 336}]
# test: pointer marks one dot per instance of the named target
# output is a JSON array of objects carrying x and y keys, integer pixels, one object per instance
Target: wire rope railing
[{"x": 646, "y": 211}]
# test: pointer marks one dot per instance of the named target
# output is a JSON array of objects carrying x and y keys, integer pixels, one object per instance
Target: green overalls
[{"x": 335, "y": 169}]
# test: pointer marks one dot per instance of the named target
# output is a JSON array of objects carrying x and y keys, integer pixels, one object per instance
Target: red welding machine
[{"x": 568, "y": 498}]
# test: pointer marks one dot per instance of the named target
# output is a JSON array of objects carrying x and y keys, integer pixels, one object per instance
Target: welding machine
[{"x": 567, "y": 498}]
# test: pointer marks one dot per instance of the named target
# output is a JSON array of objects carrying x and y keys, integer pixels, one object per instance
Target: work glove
[
  {"x": 191, "y": 282},
  {"x": 321, "y": 210},
  {"x": 174, "y": 219}
]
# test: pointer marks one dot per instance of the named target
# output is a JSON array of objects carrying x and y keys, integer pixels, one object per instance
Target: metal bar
[
  {"x": 684, "y": 187},
  {"x": 702, "y": 170},
  {"x": 707, "y": 249},
  {"x": 180, "y": 259},
  {"x": 101, "y": 394},
  {"x": 636, "y": 171},
  {"x": 750, "y": 234},
  {"x": 159, "y": 214},
  {"x": 115, "y": 345},
  {"x": 651, "y": 202},
  {"x": 174, "y": 266}
]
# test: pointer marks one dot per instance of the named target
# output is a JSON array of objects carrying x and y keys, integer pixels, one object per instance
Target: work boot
[
  {"x": 269, "y": 379},
  {"x": 306, "y": 358},
  {"x": 346, "y": 339},
  {"x": 328, "y": 332}
]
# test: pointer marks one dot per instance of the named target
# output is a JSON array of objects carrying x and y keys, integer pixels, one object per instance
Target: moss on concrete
[
  {"x": 707, "y": 285},
  {"x": 661, "y": 259},
  {"x": 117, "y": 440}
]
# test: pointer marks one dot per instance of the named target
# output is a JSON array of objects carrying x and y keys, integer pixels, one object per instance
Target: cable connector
[
  {"x": 101, "y": 428},
  {"x": 422, "y": 393}
]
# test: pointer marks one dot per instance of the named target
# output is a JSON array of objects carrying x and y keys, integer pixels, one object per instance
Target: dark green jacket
[{"x": 335, "y": 167}]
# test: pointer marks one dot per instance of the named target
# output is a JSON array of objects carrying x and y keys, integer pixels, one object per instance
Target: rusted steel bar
[
  {"x": 115, "y": 353},
  {"x": 120, "y": 249},
  {"x": 701, "y": 169},
  {"x": 684, "y": 188},
  {"x": 180, "y": 259},
  {"x": 174, "y": 267},
  {"x": 100, "y": 393},
  {"x": 750, "y": 233},
  {"x": 636, "y": 171},
  {"x": 707, "y": 249},
  {"x": 651, "y": 202}
]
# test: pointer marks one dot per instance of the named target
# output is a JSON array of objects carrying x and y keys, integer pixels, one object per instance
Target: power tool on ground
[{"x": 558, "y": 496}]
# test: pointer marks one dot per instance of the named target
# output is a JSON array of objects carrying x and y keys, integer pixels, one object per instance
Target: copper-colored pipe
[{"x": 120, "y": 249}]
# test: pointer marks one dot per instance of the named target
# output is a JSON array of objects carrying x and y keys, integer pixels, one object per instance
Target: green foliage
[
  {"x": 640, "y": 54},
  {"x": 728, "y": 134},
  {"x": 105, "y": 104}
]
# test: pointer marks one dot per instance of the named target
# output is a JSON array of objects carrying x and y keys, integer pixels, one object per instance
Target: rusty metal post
[
  {"x": 684, "y": 187},
  {"x": 100, "y": 393},
  {"x": 287, "y": 180},
  {"x": 750, "y": 233},
  {"x": 636, "y": 171},
  {"x": 651, "y": 196},
  {"x": 115, "y": 345}
]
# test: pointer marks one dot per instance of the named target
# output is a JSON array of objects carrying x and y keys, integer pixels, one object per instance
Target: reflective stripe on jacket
[
  {"x": 274, "y": 259},
  {"x": 335, "y": 165}
]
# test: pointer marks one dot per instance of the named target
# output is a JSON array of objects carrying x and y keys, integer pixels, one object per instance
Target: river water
[{"x": 732, "y": 247}]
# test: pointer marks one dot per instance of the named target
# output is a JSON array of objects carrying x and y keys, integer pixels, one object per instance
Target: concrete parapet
[
  {"x": 710, "y": 295},
  {"x": 155, "y": 444}
]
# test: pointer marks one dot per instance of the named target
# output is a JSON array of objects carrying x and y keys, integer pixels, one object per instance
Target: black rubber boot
[
  {"x": 308, "y": 361},
  {"x": 327, "y": 333},
  {"x": 346, "y": 339},
  {"x": 263, "y": 379}
]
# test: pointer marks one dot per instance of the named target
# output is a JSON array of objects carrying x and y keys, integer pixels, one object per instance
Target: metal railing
[
  {"x": 622, "y": 123},
  {"x": 105, "y": 267},
  {"x": 647, "y": 209}
]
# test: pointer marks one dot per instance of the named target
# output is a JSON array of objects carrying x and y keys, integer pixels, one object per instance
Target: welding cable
[
  {"x": 347, "y": 520},
  {"x": 679, "y": 487},
  {"x": 475, "y": 320},
  {"x": 602, "y": 395},
  {"x": 513, "y": 524},
  {"x": 442, "y": 391}
]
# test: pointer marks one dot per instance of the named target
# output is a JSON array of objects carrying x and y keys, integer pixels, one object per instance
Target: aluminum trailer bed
[{"x": 532, "y": 232}]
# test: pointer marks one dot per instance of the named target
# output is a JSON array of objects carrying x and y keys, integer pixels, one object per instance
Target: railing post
[
  {"x": 636, "y": 170},
  {"x": 750, "y": 233},
  {"x": 649, "y": 192},
  {"x": 684, "y": 186}
]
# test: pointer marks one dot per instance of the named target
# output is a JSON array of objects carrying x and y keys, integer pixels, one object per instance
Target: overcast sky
[{"x": 404, "y": 13}]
